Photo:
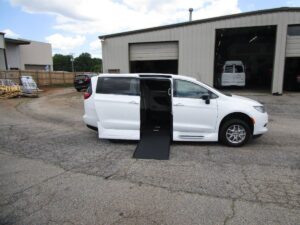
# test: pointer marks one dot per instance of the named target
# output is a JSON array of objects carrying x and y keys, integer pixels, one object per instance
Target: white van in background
[{"x": 233, "y": 74}]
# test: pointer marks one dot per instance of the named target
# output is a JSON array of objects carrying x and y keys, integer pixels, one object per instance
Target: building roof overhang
[
  {"x": 259, "y": 12},
  {"x": 17, "y": 41}
]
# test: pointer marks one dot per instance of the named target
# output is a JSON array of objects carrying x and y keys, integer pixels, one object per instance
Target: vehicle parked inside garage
[
  {"x": 82, "y": 81},
  {"x": 233, "y": 74},
  {"x": 118, "y": 106}
]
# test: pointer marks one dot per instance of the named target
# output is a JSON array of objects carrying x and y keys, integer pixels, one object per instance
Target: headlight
[{"x": 260, "y": 109}]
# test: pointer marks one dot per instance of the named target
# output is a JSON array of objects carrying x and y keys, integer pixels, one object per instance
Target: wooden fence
[{"x": 42, "y": 78}]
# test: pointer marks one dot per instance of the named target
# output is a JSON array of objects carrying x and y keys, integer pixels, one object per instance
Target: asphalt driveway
[{"x": 53, "y": 170}]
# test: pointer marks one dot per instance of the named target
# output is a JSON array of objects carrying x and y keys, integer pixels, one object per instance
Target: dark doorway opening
[
  {"x": 156, "y": 119},
  {"x": 154, "y": 66},
  {"x": 292, "y": 74},
  {"x": 252, "y": 47}
]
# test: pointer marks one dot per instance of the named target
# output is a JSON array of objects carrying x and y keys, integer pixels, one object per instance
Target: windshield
[
  {"x": 239, "y": 69},
  {"x": 216, "y": 91}
]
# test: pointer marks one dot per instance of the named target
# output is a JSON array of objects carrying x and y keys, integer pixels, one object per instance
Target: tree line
[{"x": 83, "y": 63}]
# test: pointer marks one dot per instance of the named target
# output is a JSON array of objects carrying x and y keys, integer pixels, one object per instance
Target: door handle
[
  {"x": 178, "y": 104},
  {"x": 133, "y": 102}
]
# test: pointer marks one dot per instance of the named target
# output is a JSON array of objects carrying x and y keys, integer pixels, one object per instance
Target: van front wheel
[{"x": 235, "y": 133}]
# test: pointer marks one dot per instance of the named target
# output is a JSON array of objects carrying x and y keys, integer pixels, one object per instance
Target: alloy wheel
[{"x": 235, "y": 134}]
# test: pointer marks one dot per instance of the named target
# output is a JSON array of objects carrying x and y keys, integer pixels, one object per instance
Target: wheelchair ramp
[{"x": 154, "y": 144}]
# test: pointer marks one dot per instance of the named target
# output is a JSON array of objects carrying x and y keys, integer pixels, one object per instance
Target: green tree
[
  {"x": 83, "y": 63},
  {"x": 97, "y": 65},
  {"x": 62, "y": 62}
]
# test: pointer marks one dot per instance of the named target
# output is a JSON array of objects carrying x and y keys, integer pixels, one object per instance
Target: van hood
[{"x": 248, "y": 101}]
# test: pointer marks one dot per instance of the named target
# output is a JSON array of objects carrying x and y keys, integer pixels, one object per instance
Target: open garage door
[
  {"x": 154, "y": 57},
  {"x": 244, "y": 57},
  {"x": 292, "y": 62}
]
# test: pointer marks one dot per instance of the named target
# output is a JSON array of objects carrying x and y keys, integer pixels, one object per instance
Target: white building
[
  {"x": 20, "y": 54},
  {"x": 266, "y": 41}
]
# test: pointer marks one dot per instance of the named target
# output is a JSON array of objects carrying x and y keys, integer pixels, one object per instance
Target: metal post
[
  {"x": 72, "y": 61},
  {"x": 191, "y": 13}
]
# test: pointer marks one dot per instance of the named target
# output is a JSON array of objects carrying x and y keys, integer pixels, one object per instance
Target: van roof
[
  {"x": 145, "y": 75},
  {"x": 236, "y": 62}
]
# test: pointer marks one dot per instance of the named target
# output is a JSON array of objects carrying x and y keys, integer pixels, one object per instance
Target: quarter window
[
  {"x": 118, "y": 86},
  {"x": 186, "y": 89}
]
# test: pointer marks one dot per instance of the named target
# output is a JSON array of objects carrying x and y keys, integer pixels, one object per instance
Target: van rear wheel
[{"x": 235, "y": 133}]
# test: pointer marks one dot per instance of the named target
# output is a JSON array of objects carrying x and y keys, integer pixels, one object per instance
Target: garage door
[
  {"x": 293, "y": 46},
  {"x": 153, "y": 51},
  {"x": 293, "y": 41}
]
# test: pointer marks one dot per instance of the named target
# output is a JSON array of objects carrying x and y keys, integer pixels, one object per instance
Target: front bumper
[{"x": 261, "y": 122}]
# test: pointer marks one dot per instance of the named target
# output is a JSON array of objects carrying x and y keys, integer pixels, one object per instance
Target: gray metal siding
[
  {"x": 2, "y": 43},
  {"x": 13, "y": 56},
  {"x": 196, "y": 45},
  {"x": 2, "y": 60}
]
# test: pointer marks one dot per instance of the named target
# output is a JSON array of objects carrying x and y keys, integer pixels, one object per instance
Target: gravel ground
[{"x": 53, "y": 170}]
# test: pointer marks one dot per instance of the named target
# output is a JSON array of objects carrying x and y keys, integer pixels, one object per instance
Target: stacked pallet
[{"x": 8, "y": 89}]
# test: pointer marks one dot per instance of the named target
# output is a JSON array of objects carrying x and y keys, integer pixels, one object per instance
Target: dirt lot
[{"x": 53, "y": 170}]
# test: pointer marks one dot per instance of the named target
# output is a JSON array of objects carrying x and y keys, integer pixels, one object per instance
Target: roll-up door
[
  {"x": 153, "y": 51},
  {"x": 293, "y": 46}
]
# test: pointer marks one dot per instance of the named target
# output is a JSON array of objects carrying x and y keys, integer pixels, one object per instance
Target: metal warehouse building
[{"x": 267, "y": 42}]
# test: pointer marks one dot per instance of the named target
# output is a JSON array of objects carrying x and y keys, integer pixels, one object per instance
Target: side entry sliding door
[{"x": 118, "y": 107}]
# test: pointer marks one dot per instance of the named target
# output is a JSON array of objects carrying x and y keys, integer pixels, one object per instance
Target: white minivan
[
  {"x": 233, "y": 74},
  {"x": 115, "y": 104}
]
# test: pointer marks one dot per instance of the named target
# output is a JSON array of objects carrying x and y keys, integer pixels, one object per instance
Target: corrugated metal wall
[
  {"x": 197, "y": 43},
  {"x": 2, "y": 43}
]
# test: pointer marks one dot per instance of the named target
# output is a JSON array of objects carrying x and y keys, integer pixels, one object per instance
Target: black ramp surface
[
  {"x": 154, "y": 144},
  {"x": 156, "y": 119}
]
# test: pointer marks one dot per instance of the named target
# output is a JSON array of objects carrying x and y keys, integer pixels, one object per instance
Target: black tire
[
  {"x": 78, "y": 89},
  {"x": 232, "y": 138}
]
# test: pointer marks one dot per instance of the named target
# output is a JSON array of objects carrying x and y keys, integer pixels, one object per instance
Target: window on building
[
  {"x": 113, "y": 70},
  {"x": 294, "y": 30}
]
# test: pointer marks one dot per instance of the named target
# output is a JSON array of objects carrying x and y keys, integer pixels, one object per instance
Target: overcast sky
[{"x": 73, "y": 26}]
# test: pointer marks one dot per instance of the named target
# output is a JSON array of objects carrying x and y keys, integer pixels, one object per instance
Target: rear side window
[{"x": 118, "y": 86}]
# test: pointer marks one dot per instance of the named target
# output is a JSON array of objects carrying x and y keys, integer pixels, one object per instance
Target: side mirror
[{"x": 206, "y": 98}]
